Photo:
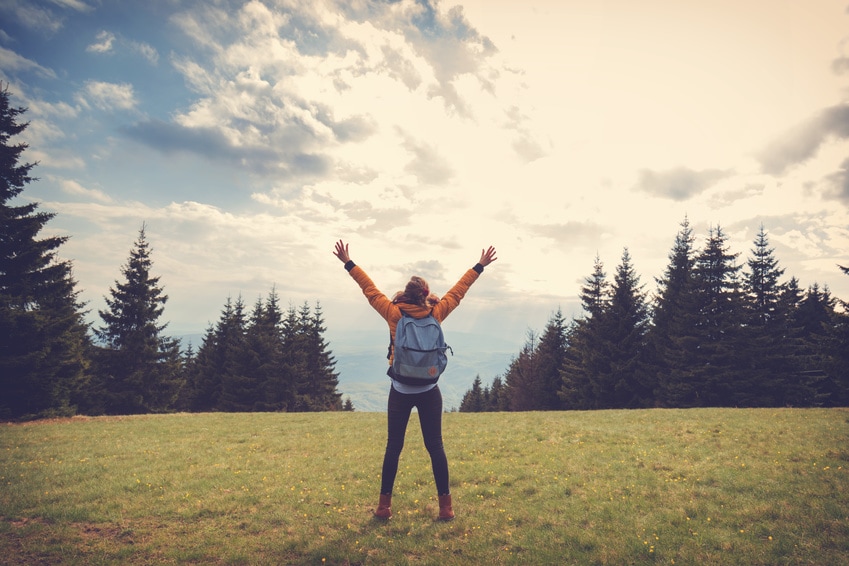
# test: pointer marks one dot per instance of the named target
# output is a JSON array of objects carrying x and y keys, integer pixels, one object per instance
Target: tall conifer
[
  {"x": 550, "y": 358},
  {"x": 839, "y": 352},
  {"x": 139, "y": 366},
  {"x": 721, "y": 368},
  {"x": 322, "y": 378},
  {"x": 520, "y": 379},
  {"x": 627, "y": 321},
  {"x": 771, "y": 349},
  {"x": 671, "y": 339},
  {"x": 473, "y": 400},
  {"x": 586, "y": 372},
  {"x": 43, "y": 337}
]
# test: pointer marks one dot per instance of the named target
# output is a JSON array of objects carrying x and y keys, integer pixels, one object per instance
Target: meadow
[{"x": 699, "y": 486}]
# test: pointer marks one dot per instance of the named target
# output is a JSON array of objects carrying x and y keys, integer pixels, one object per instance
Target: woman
[{"x": 417, "y": 301}]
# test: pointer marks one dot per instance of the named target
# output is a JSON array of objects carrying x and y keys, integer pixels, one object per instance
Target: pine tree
[
  {"x": 587, "y": 379},
  {"x": 815, "y": 318},
  {"x": 202, "y": 389},
  {"x": 323, "y": 380},
  {"x": 43, "y": 337},
  {"x": 761, "y": 283},
  {"x": 218, "y": 365},
  {"x": 265, "y": 344},
  {"x": 671, "y": 339},
  {"x": 838, "y": 349},
  {"x": 549, "y": 357},
  {"x": 720, "y": 368},
  {"x": 184, "y": 396},
  {"x": 520, "y": 378},
  {"x": 770, "y": 351},
  {"x": 231, "y": 352},
  {"x": 473, "y": 400},
  {"x": 250, "y": 353},
  {"x": 801, "y": 387},
  {"x": 491, "y": 398},
  {"x": 627, "y": 319},
  {"x": 294, "y": 363},
  {"x": 499, "y": 401},
  {"x": 138, "y": 364}
]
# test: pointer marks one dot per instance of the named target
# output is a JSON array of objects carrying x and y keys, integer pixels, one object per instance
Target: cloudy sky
[{"x": 249, "y": 136}]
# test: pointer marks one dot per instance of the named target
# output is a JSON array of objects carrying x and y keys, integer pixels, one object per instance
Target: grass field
[{"x": 702, "y": 486}]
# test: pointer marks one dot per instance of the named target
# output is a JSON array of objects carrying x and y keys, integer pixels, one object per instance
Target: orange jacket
[{"x": 391, "y": 312}]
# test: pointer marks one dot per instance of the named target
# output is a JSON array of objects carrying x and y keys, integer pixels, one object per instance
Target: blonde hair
[{"x": 417, "y": 292}]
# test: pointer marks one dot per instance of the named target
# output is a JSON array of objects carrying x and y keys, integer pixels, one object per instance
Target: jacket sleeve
[
  {"x": 378, "y": 301},
  {"x": 452, "y": 298}
]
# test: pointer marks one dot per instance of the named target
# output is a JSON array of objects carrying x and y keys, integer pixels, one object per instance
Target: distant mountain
[{"x": 361, "y": 364}]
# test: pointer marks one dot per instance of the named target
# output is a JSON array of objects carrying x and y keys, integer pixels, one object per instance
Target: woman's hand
[
  {"x": 487, "y": 256},
  {"x": 342, "y": 252}
]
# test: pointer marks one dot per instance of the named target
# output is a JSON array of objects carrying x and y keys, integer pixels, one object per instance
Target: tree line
[
  {"x": 714, "y": 334},
  {"x": 53, "y": 363}
]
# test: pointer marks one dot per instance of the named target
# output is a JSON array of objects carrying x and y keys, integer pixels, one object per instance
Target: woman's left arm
[{"x": 452, "y": 298}]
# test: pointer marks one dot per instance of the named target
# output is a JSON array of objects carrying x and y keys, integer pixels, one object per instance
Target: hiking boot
[
  {"x": 446, "y": 512},
  {"x": 384, "y": 507}
]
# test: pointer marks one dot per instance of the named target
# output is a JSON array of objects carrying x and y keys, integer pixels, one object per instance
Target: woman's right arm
[{"x": 376, "y": 298}]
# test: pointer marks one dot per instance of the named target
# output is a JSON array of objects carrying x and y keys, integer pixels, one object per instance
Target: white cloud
[
  {"x": 105, "y": 40},
  {"x": 31, "y": 16},
  {"x": 147, "y": 51},
  {"x": 12, "y": 62},
  {"x": 108, "y": 96},
  {"x": 77, "y": 5},
  {"x": 74, "y": 188}
]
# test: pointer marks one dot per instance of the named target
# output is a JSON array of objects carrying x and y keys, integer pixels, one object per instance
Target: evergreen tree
[
  {"x": 587, "y": 379},
  {"x": 595, "y": 296},
  {"x": 294, "y": 364},
  {"x": 202, "y": 389},
  {"x": 770, "y": 352},
  {"x": 265, "y": 344},
  {"x": 549, "y": 357},
  {"x": 256, "y": 358},
  {"x": 761, "y": 283},
  {"x": 520, "y": 378},
  {"x": 627, "y": 319},
  {"x": 802, "y": 385},
  {"x": 473, "y": 400},
  {"x": 43, "y": 337},
  {"x": 671, "y": 339},
  {"x": 838, "y": 349},
  {"x": 492, "y": 398},
  {"x": 231, "y": 353},
  {"x": 816, "y": 317},
  {"x": 322, "y": 379},
  {"x": 499, "y": 401},
  {"x": 184, "y": 396},
  {"x": 138, "y": 365},
  {"x": 815, "y": 309},
  {"x": 721, "y": 370},
  {"x": 250, "y": 353}
]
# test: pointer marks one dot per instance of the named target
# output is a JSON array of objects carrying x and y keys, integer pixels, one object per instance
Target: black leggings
[{"x": 429, "y": 405}]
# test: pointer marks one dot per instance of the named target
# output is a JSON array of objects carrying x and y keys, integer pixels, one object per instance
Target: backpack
[{"x": 419, "y": 351}]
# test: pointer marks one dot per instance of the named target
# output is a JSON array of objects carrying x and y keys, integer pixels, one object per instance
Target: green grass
[{"x": 702, "y": 486}]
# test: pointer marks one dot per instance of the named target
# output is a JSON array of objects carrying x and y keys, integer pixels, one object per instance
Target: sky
[{"x": 249, "y": 136}]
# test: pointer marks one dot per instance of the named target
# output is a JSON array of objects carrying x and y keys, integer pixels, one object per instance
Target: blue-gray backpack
[{"x": 419, "y": 351}]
